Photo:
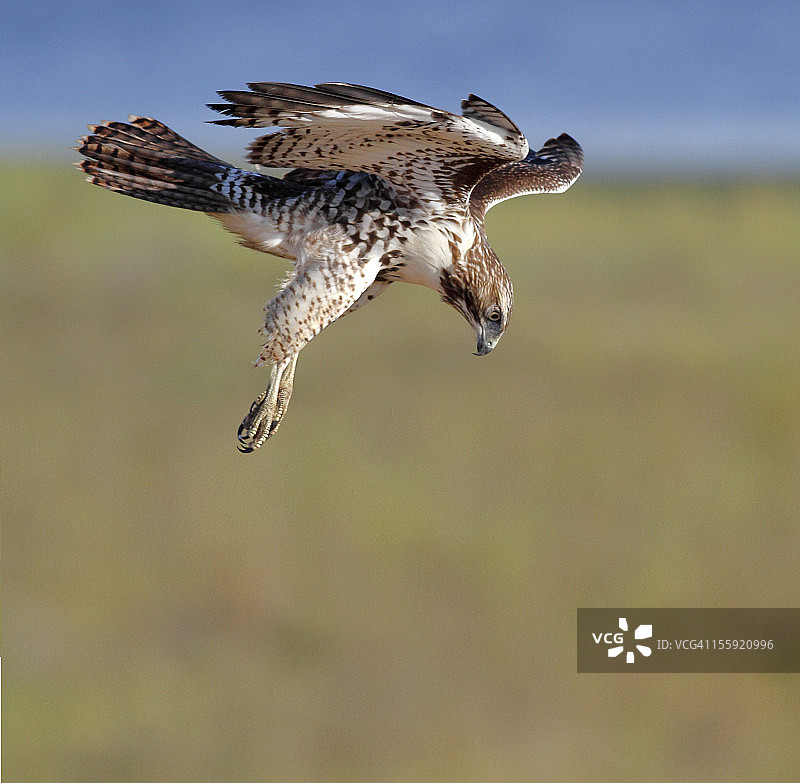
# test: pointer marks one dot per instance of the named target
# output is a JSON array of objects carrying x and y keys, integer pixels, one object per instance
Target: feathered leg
[{"x": 328, "y": 279}]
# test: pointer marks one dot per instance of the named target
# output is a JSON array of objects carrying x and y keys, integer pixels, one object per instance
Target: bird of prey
[{"x": 380, "y": 189}]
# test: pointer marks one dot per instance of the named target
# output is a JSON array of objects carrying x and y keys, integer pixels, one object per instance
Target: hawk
[{"x": 380, "y": 189}]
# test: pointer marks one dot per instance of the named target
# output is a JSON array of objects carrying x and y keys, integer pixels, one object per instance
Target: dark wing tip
[
  {"x": 479, "y": 109},
  {"x": 562, "y": 152},
  {"x": 571, "y": 149},
  {"x": 240, "y": 114}
]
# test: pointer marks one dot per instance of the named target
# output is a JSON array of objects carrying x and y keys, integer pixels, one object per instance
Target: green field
[{"x": 387, "y": 590}]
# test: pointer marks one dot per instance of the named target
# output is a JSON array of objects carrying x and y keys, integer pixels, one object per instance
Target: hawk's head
[{"x": 480, "y": 289}]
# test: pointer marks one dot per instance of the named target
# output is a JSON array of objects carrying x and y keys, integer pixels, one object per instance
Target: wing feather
[
  {"x": 551, "y": 169},
  {"x": 478, "y": 109},
  {"x": 430, "y": 152}
]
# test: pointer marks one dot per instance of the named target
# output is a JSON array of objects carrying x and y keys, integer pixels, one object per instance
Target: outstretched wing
[
  {"x": 431, "y": 153},
  {"x": 552, "y": 169}
]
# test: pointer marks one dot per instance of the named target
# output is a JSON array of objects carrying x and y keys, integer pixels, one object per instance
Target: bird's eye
[{"x": 494, "y": 314}]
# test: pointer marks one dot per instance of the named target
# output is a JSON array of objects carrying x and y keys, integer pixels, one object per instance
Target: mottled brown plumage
[{"x": 382, "y": 189}]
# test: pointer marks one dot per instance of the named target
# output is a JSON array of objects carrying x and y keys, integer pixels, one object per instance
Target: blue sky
[{"x": 667, "y": 86}]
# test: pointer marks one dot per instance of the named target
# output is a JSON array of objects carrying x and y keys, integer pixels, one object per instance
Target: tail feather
[
  {"x": 147, "y": 160},
  {"x": 147, "y": 133}
]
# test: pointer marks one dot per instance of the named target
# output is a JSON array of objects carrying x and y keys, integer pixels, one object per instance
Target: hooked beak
[
  {"x": 487, "y": 338},
  {"x": 484, "y": 347}
]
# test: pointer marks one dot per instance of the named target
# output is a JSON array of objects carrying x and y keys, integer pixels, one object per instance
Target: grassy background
[{"x": 387, "y": 591}]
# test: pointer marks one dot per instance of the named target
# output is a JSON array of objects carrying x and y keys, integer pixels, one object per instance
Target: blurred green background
[{"x": 387, "y": 590}]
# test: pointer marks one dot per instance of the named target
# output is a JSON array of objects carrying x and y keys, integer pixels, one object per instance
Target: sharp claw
[{"x": 266, "y": 412}]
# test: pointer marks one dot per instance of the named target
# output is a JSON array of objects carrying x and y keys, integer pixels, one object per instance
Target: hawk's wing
[
  {"x": 552, "y": 169},
  {"x": 431, "y": 153}
]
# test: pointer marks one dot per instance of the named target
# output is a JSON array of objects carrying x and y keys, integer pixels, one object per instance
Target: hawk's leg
[
  {"x": 267, "y": 411},
  {"x": 326, "y": 281}
]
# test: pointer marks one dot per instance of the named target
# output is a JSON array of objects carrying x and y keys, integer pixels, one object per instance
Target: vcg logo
[{"x": 617, "y": 638}]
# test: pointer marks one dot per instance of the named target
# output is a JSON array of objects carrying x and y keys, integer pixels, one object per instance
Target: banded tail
[{"x": 145, "y": 159}]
